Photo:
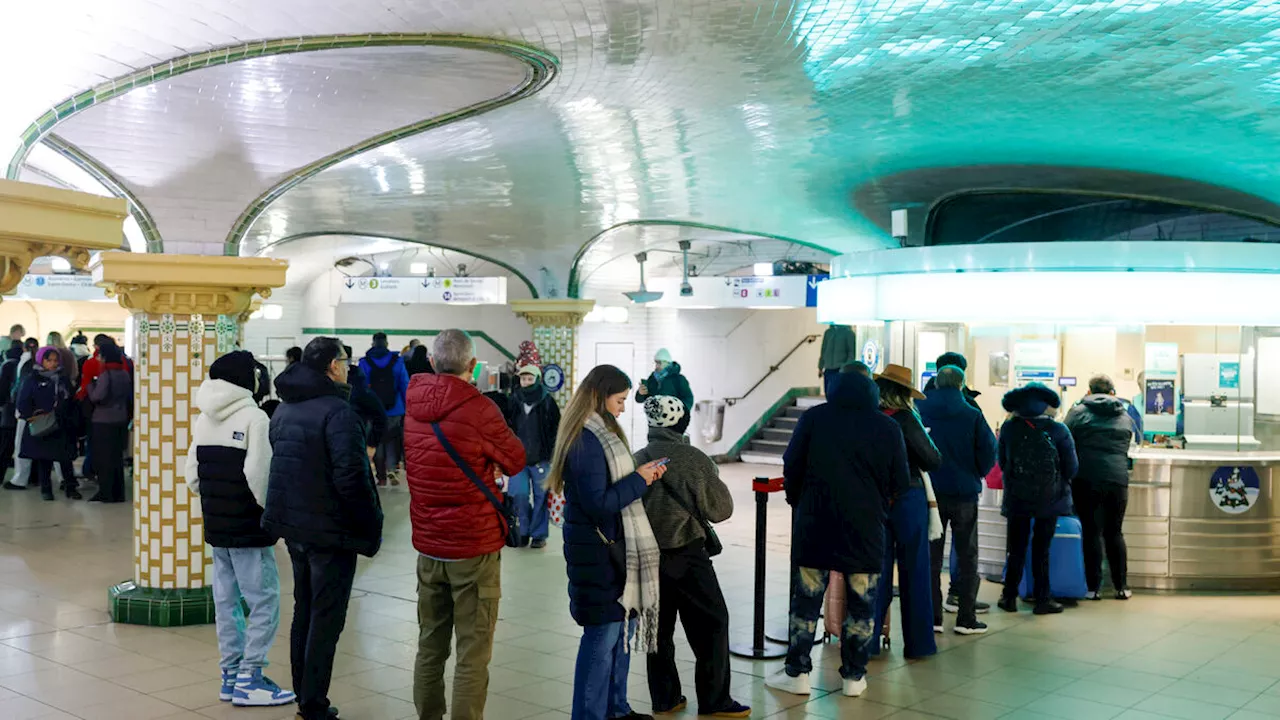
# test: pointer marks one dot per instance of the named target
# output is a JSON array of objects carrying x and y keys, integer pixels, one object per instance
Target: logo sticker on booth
[
  {"x": 871, "y": 355},
  {"x": 552, "y": 377},
  {"x": 1234, "y": 489}
]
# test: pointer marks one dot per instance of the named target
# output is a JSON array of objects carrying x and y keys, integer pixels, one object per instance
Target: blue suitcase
[{"x": 1066, "y": 563}]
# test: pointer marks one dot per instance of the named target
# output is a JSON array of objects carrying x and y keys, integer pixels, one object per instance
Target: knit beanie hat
[
  {"x": 533, "y": 370},
  {"x": 237, "y": 368},
  {"x": 664, "y": 411},
  {"x": 528, "y": 355}
]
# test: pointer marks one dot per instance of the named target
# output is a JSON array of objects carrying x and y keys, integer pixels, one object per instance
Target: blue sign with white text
[{"x": 811, "y": 290}]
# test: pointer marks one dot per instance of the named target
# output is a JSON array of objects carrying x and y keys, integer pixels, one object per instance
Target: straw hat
[{"x": 899, "y": 375}]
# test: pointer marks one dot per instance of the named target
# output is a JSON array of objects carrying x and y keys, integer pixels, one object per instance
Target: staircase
[{"x": 767, "y": 446}]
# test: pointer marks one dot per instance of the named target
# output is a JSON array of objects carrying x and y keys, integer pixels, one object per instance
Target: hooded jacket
[
  {"x": 1029, "y": 404},
  {"x": 845, "y": 464},
  {"x": 966, "y": 442},
  {"x": 1102, "y": 430},
  {"x": 228, "y": 465},
  {"x": 111, "y": 394},
  {"x": 321, "y": 491},
  {"x": 669, "y": 382},
  {"x": 383, "y": 360},
  {"x": 536, "y": 427},
  {"x": 692, "y": 476},
  {"x": 452, "y": 519}
]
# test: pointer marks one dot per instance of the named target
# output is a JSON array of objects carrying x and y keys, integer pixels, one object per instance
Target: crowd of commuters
[
  {"x": 859, "y": 470},
  {"x": 59, "y": 402}
]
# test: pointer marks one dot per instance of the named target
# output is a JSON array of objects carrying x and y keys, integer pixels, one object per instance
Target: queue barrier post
[{"x": 761, "y": 647}]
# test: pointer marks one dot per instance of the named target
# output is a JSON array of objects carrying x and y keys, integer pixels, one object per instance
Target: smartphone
[{"x": 662, "y": 462}]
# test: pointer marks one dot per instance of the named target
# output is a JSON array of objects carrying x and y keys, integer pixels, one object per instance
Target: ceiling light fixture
[{"x": 642, "y": 295}]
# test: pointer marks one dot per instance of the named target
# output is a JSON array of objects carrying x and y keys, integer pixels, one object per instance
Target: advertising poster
[
  {"x": 1229, "y": 375},
  {"x": 1234, "y": 490},
  {"x": 1159, "y": 397}
]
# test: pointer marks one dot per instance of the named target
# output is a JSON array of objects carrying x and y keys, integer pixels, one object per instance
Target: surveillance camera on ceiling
[{"x": 686, "y": 290}]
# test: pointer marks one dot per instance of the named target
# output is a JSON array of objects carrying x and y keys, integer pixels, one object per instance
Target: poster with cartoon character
[
  {"x": 1159, "y": 398},
  {"x": 1234, "y": 489}
]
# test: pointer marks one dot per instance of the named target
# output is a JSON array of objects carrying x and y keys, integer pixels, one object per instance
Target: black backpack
[
  {"x": 382, "y": 381},
  {"x": 1033, "y": 475}
]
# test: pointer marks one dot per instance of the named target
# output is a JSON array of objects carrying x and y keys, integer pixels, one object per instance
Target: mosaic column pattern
[
  {"x": 555, "y": 326},
  {"x": 180, "y": 328}
]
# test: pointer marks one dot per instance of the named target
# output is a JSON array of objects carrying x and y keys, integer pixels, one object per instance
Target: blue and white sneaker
[
  {"x": 256, "y": 690},
  {"x": 228, "y": 689}
]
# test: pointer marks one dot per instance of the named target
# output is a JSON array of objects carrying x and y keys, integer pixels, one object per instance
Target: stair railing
[{"x": 806, "y": 340}]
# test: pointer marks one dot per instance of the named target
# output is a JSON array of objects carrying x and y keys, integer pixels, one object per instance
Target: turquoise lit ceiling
[{"x": 764, "y": 117}]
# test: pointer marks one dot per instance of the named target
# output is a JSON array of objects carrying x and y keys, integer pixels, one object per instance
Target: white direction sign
[
  {"x": 426, "y": 290},
  {"x": 58, "y": 287}
]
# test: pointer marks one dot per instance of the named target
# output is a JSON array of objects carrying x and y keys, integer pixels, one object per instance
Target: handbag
[
  {"x": 711, "y": 543},
  {"x": 617, "y": 553},
  {"x": 505, "y": 507},
  {"x": 555, "y": 507},
  {"x": 43, "y": 424}
]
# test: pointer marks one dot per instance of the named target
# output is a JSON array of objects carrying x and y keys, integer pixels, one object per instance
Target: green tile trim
[
  {"x": 542, "y": 68},
  {"x": 134, "y": 605},
  {"x": 407, "y": 333},
  {"x": 787, "y": 398},
  {"x": 86, "y": 162},
  {"x": 575, "y": 281}
]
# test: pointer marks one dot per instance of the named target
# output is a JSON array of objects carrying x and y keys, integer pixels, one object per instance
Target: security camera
[{"x": 686, "y": 290}]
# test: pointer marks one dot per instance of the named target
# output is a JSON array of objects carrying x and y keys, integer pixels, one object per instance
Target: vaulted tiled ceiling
[{"x": 753, "y": 115}]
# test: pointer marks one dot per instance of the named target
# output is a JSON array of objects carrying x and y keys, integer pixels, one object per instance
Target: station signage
[
  {"x": 425, "y": 290},
  {"x": 58, "y": 287},
  {"x": 747, "y": 291}
]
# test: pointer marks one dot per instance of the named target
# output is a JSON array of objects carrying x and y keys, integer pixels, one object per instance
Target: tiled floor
[{"x": 1154, "y": 657}]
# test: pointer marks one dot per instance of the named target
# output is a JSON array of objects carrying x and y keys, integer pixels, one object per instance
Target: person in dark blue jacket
[
  {"x": 45, "y": 393},
  {"x": 605, "y": 530},
  {"x": 321, "y": 500},
  {"x": 367, "y": 406},
  {"x": 388, "y": 381},
  {"x": 968, "y": 450},
  {"x": 1038, "y": 459},
  {"x": 845, "y": 465}
]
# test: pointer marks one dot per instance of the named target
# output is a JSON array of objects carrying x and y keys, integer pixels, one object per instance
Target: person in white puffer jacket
[{"x": 227, "y": 467}]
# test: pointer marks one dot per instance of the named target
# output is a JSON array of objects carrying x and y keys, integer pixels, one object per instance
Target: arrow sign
[{"x": 350, "y": 283}]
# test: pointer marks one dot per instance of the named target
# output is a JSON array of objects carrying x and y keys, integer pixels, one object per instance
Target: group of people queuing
[
  {"x": 878, "y": 473},
  {"x": 60, "y": 402}
]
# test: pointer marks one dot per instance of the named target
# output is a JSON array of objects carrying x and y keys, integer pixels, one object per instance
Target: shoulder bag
[
  {"x": 712, "y": 542},
  {"x": 505, "y": 506}
]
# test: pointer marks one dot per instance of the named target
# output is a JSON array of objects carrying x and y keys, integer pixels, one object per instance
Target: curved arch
[
  {"x": 86, "y": 162},
  {"x": 533, "y": 292},
  {"x": 573, "y": 289}
]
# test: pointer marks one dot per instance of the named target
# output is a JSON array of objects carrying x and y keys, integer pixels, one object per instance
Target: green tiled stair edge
[
  {"x": 136, "y": 605},
  {"x": 763, "y": 421}
]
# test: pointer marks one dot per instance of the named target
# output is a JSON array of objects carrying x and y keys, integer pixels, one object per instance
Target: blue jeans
[
  {"x": 907, "y": 543},
  {"x": 808, "y": 586},
  {"x": 600, "y": 676},
  {"x": 529, "y": 490},
  {"x": 250, "y": 573}
]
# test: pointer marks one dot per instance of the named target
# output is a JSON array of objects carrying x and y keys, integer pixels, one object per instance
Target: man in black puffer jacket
[
  {"x": 321, "y": 500},
  {"x": 1102, "y": 430}
]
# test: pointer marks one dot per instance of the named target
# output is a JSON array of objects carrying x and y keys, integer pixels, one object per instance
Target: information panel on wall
[
  {"x": 426, "y": 290},
  {"x": 748, "y": 291},
  {"x": 1035, "y": 361},
  {"x": 58, "y": 287}
]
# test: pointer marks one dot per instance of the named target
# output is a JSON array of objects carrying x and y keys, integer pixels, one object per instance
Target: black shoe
[
  {"x": 1067, "y": 602},
  {"x": 734, "y": 709},
  {"x": 538, "y": 543},
  {"x": 74, "y": 494},
  {"x": 48, "y": 496},
  {"x": 973, "y": 627},
  {"x": 1008, "y": 604},
  {"x": 1048, "y": 607},
  {"x": 1124, "y": 594},
  {"x": 633, "y": 715},
  {"x": 10, "y": 486},
  {"x": 952, "y": 605},
  {"x": 680, "y": 704},
  {"x": 331, "y": 714}
]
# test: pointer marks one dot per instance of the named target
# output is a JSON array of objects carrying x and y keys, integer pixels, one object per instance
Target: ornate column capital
[
  {"x": 36, "y": 221},
  {"x": 187, "y": 284},
  {"x": 552, "y": 313}
]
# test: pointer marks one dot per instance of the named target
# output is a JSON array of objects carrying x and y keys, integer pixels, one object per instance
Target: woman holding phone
[
  {"x": 690, "y": 494},
  {"x": 611, "y": 555}
]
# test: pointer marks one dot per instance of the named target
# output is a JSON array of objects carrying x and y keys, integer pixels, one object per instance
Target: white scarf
[{"x": 640, "y": 594}]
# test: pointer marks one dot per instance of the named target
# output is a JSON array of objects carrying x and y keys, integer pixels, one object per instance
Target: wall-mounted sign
[
  {"x": 1035, "y": 361},
  {"x": 1066, "y": 382},
  {"x": 749, "y": 291},
  {"x": 58, "y": 287},
  {"x": 1159, "y": 398},
  {"x": 426, "y": 290},
  {"x": 552, "y": 377},
  {"x": 1229, "y": 375},
  {"x": 871, "y": 355},
  {"x": 1234, "y": 489}
]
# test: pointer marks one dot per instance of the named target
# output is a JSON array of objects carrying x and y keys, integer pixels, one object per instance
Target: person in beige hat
[{"x": 908, "y": 526}]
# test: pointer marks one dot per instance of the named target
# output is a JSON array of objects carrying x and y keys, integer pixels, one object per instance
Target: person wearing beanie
[
  {"x": 389, "y": 381},
  {"x": 227, "y": 467},
  {"x": 691, "y": 491},
  {"x": 666, "y": 380},
  {"x": 954, "y": 359},
  {"x": 534, "y": 417},
  {"x": 1038, "y": 459}
]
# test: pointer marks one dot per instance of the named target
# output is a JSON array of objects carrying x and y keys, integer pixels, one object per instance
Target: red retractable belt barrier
[{"x": 761, "y": 648}]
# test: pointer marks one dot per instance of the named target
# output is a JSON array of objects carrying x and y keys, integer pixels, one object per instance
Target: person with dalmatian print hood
[{"x": 686, "y": 578}]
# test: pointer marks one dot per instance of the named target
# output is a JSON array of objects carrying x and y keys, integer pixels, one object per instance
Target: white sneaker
[
  {"x": 798, "y": 685},
  {"x": 937, "y": 628},
  {"x": 855, "y": 688}
]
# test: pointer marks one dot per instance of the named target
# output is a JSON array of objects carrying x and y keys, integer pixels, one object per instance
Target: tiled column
[
  {"x": 188, "y": 312},
  {"x": 555, "y": 326},
  {"x": 36, "y": 221}
]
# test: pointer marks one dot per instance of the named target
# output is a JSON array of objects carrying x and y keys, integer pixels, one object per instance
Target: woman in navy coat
[
  {"x": 593, "y": 530},
  {"x": 46, "y": 391}
]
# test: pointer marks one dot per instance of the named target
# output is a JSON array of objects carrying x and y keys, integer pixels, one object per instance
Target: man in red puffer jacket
[{"x": 456, "y": 530}]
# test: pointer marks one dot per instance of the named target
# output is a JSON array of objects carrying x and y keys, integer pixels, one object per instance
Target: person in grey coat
[{"x": 691, "y": 489}]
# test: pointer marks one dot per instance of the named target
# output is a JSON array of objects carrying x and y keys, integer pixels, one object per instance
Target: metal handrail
[{"x": 807, "y": 339}]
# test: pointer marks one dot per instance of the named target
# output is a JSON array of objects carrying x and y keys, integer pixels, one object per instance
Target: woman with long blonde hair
[{"x": 611, "y": 554}]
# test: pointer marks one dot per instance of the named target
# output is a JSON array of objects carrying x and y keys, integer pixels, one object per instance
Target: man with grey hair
[
  {"x": 968, "y": 449},
  {"x": 456, "y": 441}
]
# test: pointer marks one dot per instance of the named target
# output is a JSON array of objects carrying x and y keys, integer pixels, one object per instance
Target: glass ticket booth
[{"x": 1203, "y": 511}]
